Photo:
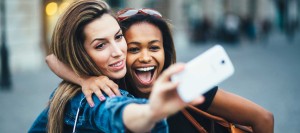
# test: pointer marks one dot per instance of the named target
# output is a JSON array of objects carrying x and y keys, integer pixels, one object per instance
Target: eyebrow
[
  {"x": 102, "y": 39},
  {"x": 138, "y": 43},
  {"x": 153, "y": 41}
]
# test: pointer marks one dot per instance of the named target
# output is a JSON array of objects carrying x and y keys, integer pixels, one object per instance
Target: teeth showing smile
[
  {"x": 145, "y": 69},
  {"x": 145, "y": 74},
  {"x": 117, "y": 64}
]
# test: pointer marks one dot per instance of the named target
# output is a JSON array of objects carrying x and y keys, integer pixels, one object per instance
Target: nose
[
  {"x": 145, "y": 57},
  {"x": 116, "y": 50}
]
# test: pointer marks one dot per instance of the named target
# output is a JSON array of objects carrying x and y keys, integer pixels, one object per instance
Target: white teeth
[
  {"x": 145, "y": 69},
  {"x": 118, "y": 64}
]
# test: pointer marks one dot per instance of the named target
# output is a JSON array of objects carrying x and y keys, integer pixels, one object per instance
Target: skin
[
  {"x": 111, "y": 49},
  {"x": 107, "y": 48},
  {"x": 242, "y": 111},
  {"x": 145, "y": 49},
  {"x": 227, "y": 105},
  {"x": 107, "y": 51}
]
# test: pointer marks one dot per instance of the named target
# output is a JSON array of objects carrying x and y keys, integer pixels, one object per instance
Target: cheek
[
  {"x": 130, "y": 60},
  {"x": 123, "y": 46},
  {"x": 100, "y": 59},
  {"x": 101, "y": 64},
  {"x": 161, "y": 58}
]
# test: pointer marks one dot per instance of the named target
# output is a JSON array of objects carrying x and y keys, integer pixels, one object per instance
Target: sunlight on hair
[{"x": 62, "y": 7}]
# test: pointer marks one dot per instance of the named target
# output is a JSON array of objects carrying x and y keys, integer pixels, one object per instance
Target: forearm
[
  {"x": 139, "y": 118},
  {"x": 242, "y": 111},
  {"x": 265, "y": 124},
  {"x": 63, "y": 71}
]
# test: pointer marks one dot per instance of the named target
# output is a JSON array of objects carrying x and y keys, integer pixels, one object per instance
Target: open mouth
[{"x": 145, "y": 74}]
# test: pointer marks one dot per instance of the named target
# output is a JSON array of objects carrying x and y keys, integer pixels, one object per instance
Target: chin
[
  {"x": 118, "y": 75},
  {"x": 145, "y": 90}
]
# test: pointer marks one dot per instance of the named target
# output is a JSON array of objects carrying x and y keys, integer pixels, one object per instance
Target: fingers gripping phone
[{"x": 203, "y": 73}]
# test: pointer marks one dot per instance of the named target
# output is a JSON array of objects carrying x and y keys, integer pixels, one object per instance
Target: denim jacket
[{"x": 105, "y": 116}]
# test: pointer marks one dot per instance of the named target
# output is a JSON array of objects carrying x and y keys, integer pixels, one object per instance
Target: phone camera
[{"x": 223, "y": 62}]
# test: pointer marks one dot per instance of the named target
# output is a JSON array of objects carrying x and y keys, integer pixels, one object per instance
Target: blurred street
[{"x": 266, "y": 72}]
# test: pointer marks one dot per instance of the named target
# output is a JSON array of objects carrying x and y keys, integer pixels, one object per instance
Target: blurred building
[
  {"x": 231, "y": 20},
  {"x": 23, "y": 29},
  {"x": 30, "y": 22}
]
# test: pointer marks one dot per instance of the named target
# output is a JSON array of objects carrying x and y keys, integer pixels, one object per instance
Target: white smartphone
[{"x": 203, "y": 73}]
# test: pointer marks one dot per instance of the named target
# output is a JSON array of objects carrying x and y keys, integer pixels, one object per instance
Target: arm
[
  {"x": 240, "y": 110},
  {"x": 163, "y": 102},
  {"x": 62, "y": 70},
  {"x": 89, "y": 85},
  {"x": 139, "y": 118}
]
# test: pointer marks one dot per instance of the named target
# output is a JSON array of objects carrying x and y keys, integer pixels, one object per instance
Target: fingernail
[
  {"x": 92, "y": 105},
  {"x": 113, "y": 95},
  {"x": 102, "y": 98}
]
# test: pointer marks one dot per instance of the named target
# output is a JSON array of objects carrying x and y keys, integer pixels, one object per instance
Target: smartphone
[{"x": 203, "y": 73}]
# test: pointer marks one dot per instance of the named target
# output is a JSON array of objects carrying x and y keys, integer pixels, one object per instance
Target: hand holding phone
[{"x": 203, "y": 73}]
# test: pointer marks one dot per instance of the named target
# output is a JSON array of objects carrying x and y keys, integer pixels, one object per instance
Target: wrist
[
  {"x": 151, "y": 114},
  {"x": 81, "y": 80},
  {"x": 139, "y": 117}
]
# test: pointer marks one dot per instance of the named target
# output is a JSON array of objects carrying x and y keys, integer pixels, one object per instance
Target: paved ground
[{"x": 266, "y": 73}]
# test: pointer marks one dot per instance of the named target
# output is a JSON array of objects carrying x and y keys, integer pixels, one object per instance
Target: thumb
[
  {"x": 198, "y": 100},
  {"x": 173, "y": 69}
]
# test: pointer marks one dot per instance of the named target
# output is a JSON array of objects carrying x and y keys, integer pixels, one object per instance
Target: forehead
[
  {"x": 143, "y": 32},
  {"x": 102, "y": 27}
]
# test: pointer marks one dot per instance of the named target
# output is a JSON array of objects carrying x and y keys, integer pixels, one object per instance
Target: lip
[
  {"x": 148, "y": 83},
  {"x": 119, "y": 66},
  {"x": 143, "y": 66}
]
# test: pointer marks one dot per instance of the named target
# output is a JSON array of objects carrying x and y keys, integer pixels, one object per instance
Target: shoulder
[
  {"x": 125, "y": 93},
  {"x": 211, "y": 93},
  {"x": 209, "y": 97},
  {"x": 79, "y": 102},
  {"x": 108, "y": 111}
]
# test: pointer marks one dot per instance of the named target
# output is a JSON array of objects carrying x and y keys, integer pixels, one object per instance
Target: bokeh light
[{"x": 51, "y": 8}]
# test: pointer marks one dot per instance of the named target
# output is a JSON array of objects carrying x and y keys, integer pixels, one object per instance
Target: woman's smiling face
[
  {"x": 105, "y": 44},
  {"x": 145, "y": 55}
]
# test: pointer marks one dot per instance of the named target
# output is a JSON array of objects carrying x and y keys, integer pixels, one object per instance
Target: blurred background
[{"x": 261, "y": 37}]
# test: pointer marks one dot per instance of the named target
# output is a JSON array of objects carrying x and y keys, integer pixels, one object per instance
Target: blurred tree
[
  {"x": 116, "y": 4},
  {"x": 5, "y": 73}
]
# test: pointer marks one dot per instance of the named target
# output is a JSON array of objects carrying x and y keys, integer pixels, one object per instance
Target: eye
[
  {"x": 133, "y": 50},
  {"x": 100, "y": 46},
  {"x": 118, "y": 37},
  {"x": 154, "y": 48}
]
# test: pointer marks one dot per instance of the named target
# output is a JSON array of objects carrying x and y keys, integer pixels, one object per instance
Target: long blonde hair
[{"x": 67, "y": 46}]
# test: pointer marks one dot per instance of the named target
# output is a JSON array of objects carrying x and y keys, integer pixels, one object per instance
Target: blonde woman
[{"x": 89, "y": 40}]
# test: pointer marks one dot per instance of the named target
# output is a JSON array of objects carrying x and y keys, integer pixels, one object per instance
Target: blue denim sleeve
[
  {"x": 116, "y": 105},
  {"x": 105, "y": 116},
  {"x": 40, "y": 124},
  {"x": 161, "y": 127}
]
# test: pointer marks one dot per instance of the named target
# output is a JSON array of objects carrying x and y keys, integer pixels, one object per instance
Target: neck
[
  {"x": 132, "y": 89},
  {"x": 140, "y": 94},
  {"x": 117, "y": 81}
]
